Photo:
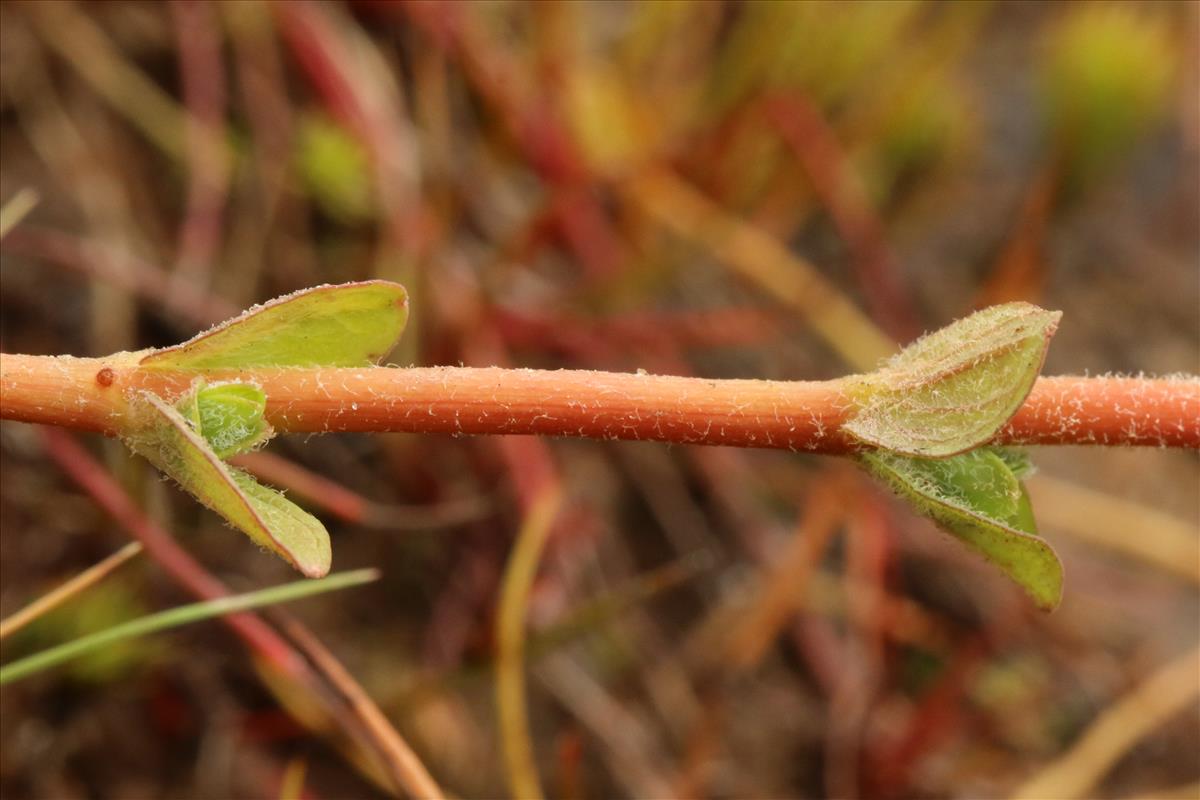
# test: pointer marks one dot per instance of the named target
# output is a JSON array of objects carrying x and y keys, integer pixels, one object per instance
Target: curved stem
[{"x": 800, "y": 415}]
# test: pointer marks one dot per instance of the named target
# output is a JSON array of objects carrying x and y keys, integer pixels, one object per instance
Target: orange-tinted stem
[{"x": 91, "y": 394}]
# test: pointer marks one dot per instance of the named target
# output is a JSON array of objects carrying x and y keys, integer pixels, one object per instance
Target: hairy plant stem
[{"x": 93, "y": 394}]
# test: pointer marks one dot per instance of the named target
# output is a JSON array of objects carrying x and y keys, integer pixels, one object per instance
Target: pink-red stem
[{"x": 92, "y": 394}]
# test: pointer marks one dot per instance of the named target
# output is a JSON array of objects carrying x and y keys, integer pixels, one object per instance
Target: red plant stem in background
[
  {"x": 77, "y": 463},
  {"x": 840, "y": 190},
  {"x": 939, "y": 713},
  {"x": 202, "y": 74},
  {"x": 397, "y": 757},
  {"x": 359, "y": 95},
  {"x": 91, "y": 394},
  {"x": 535, "y": 122},
  {"x": 333, "y": 497}
]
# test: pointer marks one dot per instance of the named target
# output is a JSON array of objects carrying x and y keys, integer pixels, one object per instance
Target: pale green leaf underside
[
  {"x": 955, "y": 388},
  {"x": 977, "y": 498},
  {"x": 164, "y": 437},
  {"x": 351, "y": 325}
]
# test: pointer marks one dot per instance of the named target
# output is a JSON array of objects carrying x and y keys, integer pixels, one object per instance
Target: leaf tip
[{"x": 313, "y": 569}]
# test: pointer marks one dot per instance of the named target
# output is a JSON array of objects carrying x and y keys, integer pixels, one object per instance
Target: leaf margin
[
  {"x": 244, "y": 331},
  {"x": 969, "y": 525}
]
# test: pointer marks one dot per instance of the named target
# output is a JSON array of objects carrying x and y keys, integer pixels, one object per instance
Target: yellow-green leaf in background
[
  {"x": 334, "y": 168},
  {"x": 350, "y": 325},
  {"x": 978, "y": 498},
  {"x": 1106, "y": 77},
  {"x": 955, "y": 388},
  {"x": 162, "y": 435}
]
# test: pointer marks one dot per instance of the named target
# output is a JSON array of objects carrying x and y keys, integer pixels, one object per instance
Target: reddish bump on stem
[{"x": 799, "y": 415}]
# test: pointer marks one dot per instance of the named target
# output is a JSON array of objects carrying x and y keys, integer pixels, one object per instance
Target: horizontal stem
[{"x": 93, "y": 394}]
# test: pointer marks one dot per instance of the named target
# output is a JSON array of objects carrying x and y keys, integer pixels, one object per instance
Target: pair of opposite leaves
[
  {"x": 918, "y": 417},
  {"x": 353, "y": 325}
]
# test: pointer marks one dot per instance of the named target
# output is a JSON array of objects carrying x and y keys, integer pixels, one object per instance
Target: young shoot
[{"x": 932, "y": 423}]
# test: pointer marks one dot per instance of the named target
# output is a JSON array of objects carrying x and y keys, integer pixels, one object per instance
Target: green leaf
[
  {"x": 978, "y": 498},
  {"x": 230, "y": 417},
  {"x": 335, "y": 169},
  {"x": 351, "y": 325},
  {"x": 162, "y": 435},
  {"x": 955, "y": 388},
  {"x": 1017, "y": 459}
]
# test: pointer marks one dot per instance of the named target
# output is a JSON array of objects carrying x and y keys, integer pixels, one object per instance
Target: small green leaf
[
  {"x": 231, "y": 417},
  {"x": 1017, "y": 459},
  {"x": 955, "y": 388},
  {"x": 228, "y": 415},
  {"x": 978, "y": 498},
  {"x": 351, "y": 325},
  {"x": 164, "y": 436}
]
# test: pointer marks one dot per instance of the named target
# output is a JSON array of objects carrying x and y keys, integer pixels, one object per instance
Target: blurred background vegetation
[{"x": 681, "y": 187}]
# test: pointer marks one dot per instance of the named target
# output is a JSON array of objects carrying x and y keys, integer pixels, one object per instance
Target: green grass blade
[{"x": 182, "y": 615}]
